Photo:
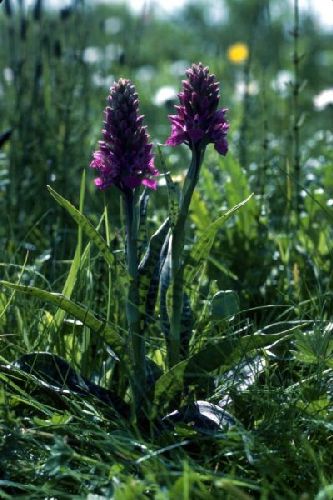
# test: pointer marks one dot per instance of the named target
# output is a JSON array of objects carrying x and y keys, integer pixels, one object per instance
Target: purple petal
[
  {"x": 221, "y": 146},
  {"x": 150, "y": 183},
  {"x": 175, "y": 139}
]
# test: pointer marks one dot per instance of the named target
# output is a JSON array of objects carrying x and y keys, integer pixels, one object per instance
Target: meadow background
[{"x": 275, "y": 254}]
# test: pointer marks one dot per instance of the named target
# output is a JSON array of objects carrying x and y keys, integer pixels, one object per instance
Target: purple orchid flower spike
[
  {"x": 124, "y": 157},
  {"x": 198, "y": 122}
]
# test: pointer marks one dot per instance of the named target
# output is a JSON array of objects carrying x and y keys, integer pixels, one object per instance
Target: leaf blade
[
  {"x": 85, "y": 224},
  {"x": 224, "y": 354},
  {"x": 204, "y": 244},
  {"x": 78, "y": 311}
]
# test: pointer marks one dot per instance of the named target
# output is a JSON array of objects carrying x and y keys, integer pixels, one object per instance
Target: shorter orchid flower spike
[{"x": 198, "y": 122}]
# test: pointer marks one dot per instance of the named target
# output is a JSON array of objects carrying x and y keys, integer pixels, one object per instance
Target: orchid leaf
[
  {"x": 76, "y": 310},
  {"x": 149, "y": 270},
  {"x": 75, "y": 266},
  {"x": 222, "y": 354},
  {"x": 202, "y": 247},
  {"x": 86, "y": 225},
  {"x": 142, "y": 231},
  {"x": 225, "y": 304},
  {"x": 173, "y": 191},
  {"x": 202, "y": 416}
]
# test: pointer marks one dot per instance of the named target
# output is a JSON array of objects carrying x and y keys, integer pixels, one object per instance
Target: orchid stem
[
  {"x": 177, "y": 242},
  {"x": 137, "y": 343}
]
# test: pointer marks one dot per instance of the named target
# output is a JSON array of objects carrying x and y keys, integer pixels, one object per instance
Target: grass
[
  {"x": 259, "y": 284},
  {"x": 77, "y": 447}
]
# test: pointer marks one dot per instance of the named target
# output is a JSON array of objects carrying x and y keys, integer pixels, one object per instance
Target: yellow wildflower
[{"x": 238, "y": 53}]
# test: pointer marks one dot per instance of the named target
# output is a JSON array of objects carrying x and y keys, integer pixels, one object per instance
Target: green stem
[
  {"x": 137, "y": 343},
  {"x": 177, "y": 241},
  {"x": 108, "y": 241},
  {"x": 296, "y": 126}
]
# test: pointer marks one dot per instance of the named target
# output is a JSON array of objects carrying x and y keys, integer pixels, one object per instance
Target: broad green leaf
[
  {"x": 78, "y": 311},
  {"x": 86, "y": 226},
  {"x": 55, "y": 373},
  {"x": 236, "y": 187},
  {"x": 318, "y": 407},
  {"x": 186, "y": 326},
  {"x": 221, "y": 267},
  {"x": 70, "y": 283},
  {"x": 204, "y": 244},
  {"x": 225, "y": 303},
  {"x": 75, "y": 266},
  {"x": 315, "y": 346},
  {"x": 223, "y": 354},
  {"x": 202, "y": 416},
  {"x": 164, "y": 285},
  {"x": 149, "y": 270},
  {"x": 199, "y": 212},
  {"x": 173, "y": 191},
  {"x": 173, "y": 197},
  {"x": 142, "y": 231}
]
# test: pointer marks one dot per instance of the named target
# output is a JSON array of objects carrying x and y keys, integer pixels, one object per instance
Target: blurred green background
[{"x": 55, "y": 70}]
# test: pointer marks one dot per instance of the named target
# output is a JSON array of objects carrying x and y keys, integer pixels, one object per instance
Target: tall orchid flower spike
[
  {"x": 124, "y": 157},
  {"x": 198, "y": 122}
]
